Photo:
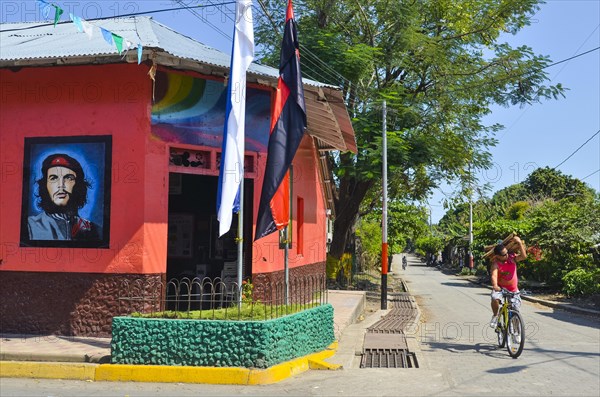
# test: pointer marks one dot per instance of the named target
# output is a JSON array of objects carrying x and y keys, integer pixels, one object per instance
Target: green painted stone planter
[{"x": 250, "y": 344}]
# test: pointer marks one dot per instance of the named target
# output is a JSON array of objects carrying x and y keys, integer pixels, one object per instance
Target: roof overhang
[{"x": 328, "y": 119}]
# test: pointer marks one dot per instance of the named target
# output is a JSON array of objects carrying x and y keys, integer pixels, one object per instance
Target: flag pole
[
  {"x": 288, "y": 240},
  {"x": 384, "y": 242},
  {"x": 240, "y": 241},
  {"x": 231, "y": 169}
]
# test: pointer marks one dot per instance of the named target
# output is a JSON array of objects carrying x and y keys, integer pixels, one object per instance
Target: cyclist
[
  {"x": 404, "y": 262},
  {"x": 504, "y": 274}
]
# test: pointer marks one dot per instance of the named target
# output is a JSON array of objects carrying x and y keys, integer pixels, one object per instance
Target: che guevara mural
[{"x": 66, "y": 192}]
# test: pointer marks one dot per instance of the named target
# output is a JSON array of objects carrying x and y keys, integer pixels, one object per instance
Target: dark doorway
[{"x": 194, "y": 248}]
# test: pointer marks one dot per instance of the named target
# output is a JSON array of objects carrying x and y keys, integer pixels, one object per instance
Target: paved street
[
  {"x": 561, "y": 355},
  {"x": 454, "y": 345}
]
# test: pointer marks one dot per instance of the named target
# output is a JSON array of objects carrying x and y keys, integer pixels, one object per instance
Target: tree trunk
[{"x": 347, "y": 207}]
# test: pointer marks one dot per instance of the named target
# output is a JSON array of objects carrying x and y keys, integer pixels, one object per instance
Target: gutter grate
[
  {"x": 388, "y": 358},
  {"x": 385, "y": 343}
]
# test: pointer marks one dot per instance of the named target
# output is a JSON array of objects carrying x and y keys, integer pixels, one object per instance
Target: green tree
[
  {"x": 555, "y": 213},
  {"x": 406, "y": 224},
  {"x": 544, "y": 183},
  {"x": 439, "y": 65},
  {"x": 517, "y": 210}
]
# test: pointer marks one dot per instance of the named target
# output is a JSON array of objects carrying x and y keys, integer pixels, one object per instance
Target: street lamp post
[
  {"x": 470, "y": 233},
  {"x": 384, "y": 244}
]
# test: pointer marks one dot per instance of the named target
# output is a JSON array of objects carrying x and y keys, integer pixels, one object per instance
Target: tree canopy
[
  {"x": 558, "y": 216},
  {"x": 438, "y": 64}
]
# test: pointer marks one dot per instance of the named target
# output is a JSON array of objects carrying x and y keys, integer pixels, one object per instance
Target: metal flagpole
[
  {"x": 288, "y": 241},
  {"x": 240, "y": 241}
]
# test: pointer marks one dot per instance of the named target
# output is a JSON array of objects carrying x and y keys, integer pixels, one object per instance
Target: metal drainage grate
[
  {"x": 388, "y": 358},
  {"x": 387, "y": 350}
]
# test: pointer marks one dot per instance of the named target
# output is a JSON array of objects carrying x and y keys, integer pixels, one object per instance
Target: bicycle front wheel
[{"x": 515, "y": 334}]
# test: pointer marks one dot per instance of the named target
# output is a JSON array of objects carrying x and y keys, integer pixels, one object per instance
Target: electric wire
[
  {"x": 593, "y": 173},
  {"x": 205, "y": 20},
  {"x": 576, "y": 150},
  {"x": 311, "y": 59},
  {"x": 132, "y": 14},
  {"x": 506, "y": 131},
  {"x": 305, "y": 50}
]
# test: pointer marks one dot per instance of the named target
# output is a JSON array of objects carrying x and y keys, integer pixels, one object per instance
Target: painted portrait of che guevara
[{"x": 66, "y": 192}]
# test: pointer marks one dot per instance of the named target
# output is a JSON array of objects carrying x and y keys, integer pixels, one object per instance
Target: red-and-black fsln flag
[{"x": 288, "y": 122}]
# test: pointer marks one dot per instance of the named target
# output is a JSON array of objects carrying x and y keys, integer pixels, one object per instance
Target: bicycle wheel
[
  {"x": 501, "y": 330},
  {"x": 515, "y": 334}
]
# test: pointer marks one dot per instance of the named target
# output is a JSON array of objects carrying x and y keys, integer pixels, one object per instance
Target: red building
[{"x": 147, "y": 138}]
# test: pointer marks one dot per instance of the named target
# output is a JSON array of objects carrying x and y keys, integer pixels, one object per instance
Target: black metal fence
[{"x": 217, "y": 298}]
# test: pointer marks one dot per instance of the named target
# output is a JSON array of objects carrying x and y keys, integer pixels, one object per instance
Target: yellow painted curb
[
  {"x": 45, "y": 370},
  {"x": 317, "y": 360},
  {"x": 168, "y": 374},
  {"x": 172, "y": 374},
  {"x": 323, "y": 365}
]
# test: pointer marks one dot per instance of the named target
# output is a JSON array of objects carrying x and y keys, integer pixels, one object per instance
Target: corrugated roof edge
[{"x": 148, "y": 30}]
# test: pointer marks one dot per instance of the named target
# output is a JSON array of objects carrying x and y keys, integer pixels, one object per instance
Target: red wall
[
  {"x": 116, "y": 100},
  {"x": 85, "y": 100},
  {"x": 266, "y": 255}
]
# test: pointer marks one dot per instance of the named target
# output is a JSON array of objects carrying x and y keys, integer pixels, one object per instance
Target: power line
[
  {"x": 576, "y": 150},
  {"x": 595, "y": 172},
  {"x": 318, "y": 62},
  {"x": 555, "y": 75},
  {"x": 205, "y": 20},
  {"x": 133, "y": 14}
]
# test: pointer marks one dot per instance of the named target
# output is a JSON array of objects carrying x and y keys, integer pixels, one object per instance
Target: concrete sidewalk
[{"x": 71, "y": 357}]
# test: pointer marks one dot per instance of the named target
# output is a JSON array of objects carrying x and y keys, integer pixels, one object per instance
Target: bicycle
[{"x": 511, "y": 327}]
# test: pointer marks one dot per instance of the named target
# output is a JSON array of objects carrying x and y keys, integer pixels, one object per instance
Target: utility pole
[
  {"x": 384, "y": 244},
  {"x": 430, "y": 224},
  {"x": 470, "y": 222},
  {"x": 470, "y": 233}
]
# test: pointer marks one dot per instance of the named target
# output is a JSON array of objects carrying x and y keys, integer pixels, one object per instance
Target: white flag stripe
[
  {"x": 233, "y": 158},
  {"x": 87, "y": 28}
]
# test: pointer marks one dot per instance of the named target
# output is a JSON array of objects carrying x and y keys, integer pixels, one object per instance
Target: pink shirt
[{"x": 507, "y": 273}]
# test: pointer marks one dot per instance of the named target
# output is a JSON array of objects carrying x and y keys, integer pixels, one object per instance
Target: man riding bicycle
[{"x": 504, "y": 273}]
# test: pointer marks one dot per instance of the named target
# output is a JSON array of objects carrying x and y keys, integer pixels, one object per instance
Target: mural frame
[{"x": 91, "y": 226}]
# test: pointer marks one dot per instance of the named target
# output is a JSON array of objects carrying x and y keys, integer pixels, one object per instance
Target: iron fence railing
[{"x": 215, "y": 298}]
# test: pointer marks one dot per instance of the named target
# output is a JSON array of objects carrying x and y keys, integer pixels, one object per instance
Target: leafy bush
[
  {"x": 368, "y": 233},
  {"x": 465, "y": 271},
  {"x": 580, "y": 282},
  {"x": 429, "y": 244},
  {"x": 517, "y": 210},
  {"x": 247, "y": 312},
  {"x": 481, "y": 270},
  {"x": 247, "y": 288}
]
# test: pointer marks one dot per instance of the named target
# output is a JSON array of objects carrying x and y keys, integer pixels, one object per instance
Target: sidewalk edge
[{"x": 162, "y": 373}]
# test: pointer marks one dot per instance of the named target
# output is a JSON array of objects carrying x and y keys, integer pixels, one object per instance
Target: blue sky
[
  {"x": 545, "y": 134},
  {"x": 535, "y": 136}
]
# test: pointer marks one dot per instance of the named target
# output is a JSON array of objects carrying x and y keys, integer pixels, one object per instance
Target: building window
[{"x": 300, "y": 226}]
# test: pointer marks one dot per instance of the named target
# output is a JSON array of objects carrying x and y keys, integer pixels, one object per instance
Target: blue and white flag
[
  {"x": 77, "y": 22},
  {"x": 44, "y": 8},
  {"x": 107, "y": 36},
  {"x": 231, "y": 173},
  {"x": 139, "y": 53}
]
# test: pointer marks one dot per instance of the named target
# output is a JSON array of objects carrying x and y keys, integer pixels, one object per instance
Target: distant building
[{"x": 148, "y": 139}]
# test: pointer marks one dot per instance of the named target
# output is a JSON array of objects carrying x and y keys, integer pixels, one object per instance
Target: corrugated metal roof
[
  {"x": 39, "y": 41},
  {"x": 42, "y": 44}
]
